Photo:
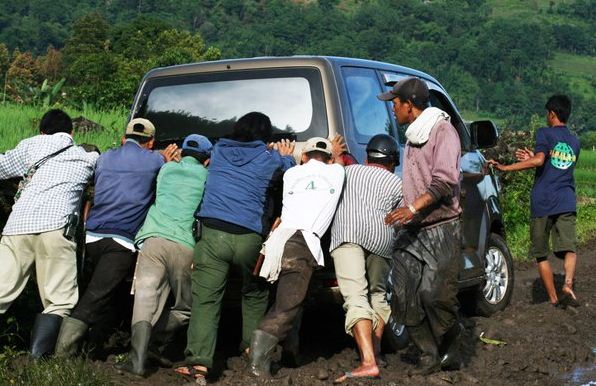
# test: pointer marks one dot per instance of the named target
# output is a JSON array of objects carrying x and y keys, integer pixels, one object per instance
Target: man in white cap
[
  {"x": 293, "y": 251},
  {"x": 124, "y": 190}
]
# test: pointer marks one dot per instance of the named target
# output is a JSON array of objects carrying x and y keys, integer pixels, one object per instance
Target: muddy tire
[{"x": 495, "y": 293}]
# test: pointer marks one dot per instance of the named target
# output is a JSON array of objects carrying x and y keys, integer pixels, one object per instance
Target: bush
[{"x": 515, "y": 196}]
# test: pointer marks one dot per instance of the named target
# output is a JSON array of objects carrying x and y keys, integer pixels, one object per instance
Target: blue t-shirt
[{"x": 554, "y": 187}]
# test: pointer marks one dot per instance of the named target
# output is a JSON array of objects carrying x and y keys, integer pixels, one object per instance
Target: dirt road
[{"x": 545, "y": 345}]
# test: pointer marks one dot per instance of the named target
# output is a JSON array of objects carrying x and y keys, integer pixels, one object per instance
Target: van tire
[{"x": 495, "y": 292}]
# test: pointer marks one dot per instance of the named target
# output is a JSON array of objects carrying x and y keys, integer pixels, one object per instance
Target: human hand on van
[
  {"x": 284, "y": 147},
  {"x": 169, "y": 153},
  {"x": 523, "y": 154},
  {"x": 496, "y": 165},
  {"x": 338, "y": 146}
]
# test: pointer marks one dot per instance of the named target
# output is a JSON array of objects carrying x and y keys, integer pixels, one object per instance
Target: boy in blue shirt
[{"x": 553, "y": 203}]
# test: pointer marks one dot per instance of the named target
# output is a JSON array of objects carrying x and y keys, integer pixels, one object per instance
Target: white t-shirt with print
[{"x": 310, "y": 196}]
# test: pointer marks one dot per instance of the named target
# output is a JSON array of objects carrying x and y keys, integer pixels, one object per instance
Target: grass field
[
  {"x": 578, "y": 69},
  {"x": 21, "y": 121},
  {"x": 585, "y": 174}
]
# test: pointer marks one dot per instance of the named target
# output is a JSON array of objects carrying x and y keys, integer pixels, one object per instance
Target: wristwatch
[{"x": 412, "y": 209}]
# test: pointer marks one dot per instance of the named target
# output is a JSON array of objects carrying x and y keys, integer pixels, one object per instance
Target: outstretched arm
[{"x": 535, "y": 161}]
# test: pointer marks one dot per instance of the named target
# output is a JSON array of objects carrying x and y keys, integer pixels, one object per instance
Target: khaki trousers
[
  {"x": 362, "y": 279},
  {"x": 163, "y": 267},
  {"x": 55, "y": 267}
]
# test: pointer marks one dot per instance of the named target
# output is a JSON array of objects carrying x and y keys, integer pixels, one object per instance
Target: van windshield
[{"x": 210, "y": 103}]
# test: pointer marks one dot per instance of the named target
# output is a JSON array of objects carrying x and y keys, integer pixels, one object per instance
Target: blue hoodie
[{"x": 239, "y": 175}]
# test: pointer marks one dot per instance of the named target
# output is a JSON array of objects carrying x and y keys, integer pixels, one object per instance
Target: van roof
[{"x": 281, "y": 61}]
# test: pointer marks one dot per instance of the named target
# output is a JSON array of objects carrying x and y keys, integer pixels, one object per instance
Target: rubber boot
[
  {"x": 71, "y": 333},
  {"x": 451, "y": 347},
  {"x": 425, "y": 341},
  {"x": 262, "y": 346},
  {"x": 163, "y": 335},
  {"x": 44, "y": 334},
  {"x": 290, "y": 355},
  {"x": 137, "y": 357}
]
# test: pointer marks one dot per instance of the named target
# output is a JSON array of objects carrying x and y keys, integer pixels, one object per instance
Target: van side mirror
[{"x": 484, "y": 134}]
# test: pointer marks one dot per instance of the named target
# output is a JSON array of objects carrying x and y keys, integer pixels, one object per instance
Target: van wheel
[
  {"x": 494, "y": 295},
  {"x": 395, "y": 335}
]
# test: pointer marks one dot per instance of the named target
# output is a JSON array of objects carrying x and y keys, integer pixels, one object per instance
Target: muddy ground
[{"x": 545, "y": 345}]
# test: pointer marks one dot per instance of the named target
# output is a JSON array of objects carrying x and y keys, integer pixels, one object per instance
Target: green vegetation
[
  {"x": 516, "y": 205},
  {"x": 502, "y": 57},
  {"x": 18, "y": 122},
  {"x": 16, "y": 368},
  {"x": 585, "y": 175},
  {"x": 577, "y": 69}
]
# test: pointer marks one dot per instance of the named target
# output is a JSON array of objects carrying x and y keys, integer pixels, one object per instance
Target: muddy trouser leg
[
  {"x": 113, "y": 263},
  {"x": 151, "y": 286},
  {"x": 255, "y": 290},
  {"x": 296, "y": 270},
  {"x": 178, "y": 315},
  {"x": 212, "y": 258},
  {"x": 377, "y": 271},
  {"x": 438, "y": 287}
]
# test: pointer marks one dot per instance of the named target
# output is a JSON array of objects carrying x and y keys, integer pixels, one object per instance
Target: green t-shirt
[{"x": 180, "y": 187}]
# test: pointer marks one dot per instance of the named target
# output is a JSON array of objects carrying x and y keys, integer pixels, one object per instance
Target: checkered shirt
[{"x": 54, "y": 190}]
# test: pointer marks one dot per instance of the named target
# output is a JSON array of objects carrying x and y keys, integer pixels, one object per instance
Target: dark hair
[
  {"x": 252, "y": 127},
  {"x": 201, "y": 157},
  {"x": 319, "y": 156},
  {"x": 141, "y": 139},
  {"x": 55, "y": 121},
  {"x": 388, "y": 162},
  {"x": 560, "y": 105}
]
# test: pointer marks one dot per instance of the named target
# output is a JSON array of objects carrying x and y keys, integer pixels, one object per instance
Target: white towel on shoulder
[{"x": 419, "y": 131}]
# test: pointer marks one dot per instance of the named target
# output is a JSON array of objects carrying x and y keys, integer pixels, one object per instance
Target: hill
[{"x": 496, "y": 57}]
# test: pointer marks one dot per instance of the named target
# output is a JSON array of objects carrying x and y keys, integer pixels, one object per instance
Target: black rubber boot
[
  {"x": 425, "y": 341},
  {"x": 137, "y": 357},
  {"x": 262, "y": 346},
  {"x": 44, "y": 334},
  {"x": 290, "y": 355},
  {"x": 451, "y": 347},
  {"x": 71, "y": 333},
  {"x": 164, "y": 333}
]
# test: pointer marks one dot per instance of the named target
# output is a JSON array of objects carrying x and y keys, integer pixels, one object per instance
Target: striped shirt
[
  {"x": 55, "y": 188},
  {"x": 369, "y": 195}
]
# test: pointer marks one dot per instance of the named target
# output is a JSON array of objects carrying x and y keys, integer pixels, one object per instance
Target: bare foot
[
  {"x": 369, "y": 371},
  {"x": 569, "y": 297}
]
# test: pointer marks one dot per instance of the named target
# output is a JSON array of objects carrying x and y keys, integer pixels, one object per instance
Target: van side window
[{"x": 369, "y": 116}]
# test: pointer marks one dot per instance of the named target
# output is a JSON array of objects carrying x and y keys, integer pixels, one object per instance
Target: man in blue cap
[{"x": 166, "y": 254}]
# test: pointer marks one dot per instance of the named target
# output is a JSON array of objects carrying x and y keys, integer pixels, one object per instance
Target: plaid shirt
[{"x": 54, "y": 190}]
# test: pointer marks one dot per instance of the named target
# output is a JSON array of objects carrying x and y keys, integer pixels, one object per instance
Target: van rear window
[{"x": 210, "y": 103}]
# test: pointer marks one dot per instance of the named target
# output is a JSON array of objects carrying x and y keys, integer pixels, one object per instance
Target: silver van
[{"x": 307, "y": 96}]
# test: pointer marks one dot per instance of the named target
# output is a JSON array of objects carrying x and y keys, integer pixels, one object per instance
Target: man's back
[
  {"x": 369, "y": 194},
  {"x": 54, "y": 189},
  {"x": 554, "y": 185},
  {"x": 180, "y": 187},
  {"x": 124, "y": 189}
]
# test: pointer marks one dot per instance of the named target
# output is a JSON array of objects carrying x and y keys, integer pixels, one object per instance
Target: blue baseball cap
[{"x": 198, "y": 143}]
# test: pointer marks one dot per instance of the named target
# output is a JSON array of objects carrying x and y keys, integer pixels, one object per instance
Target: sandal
[
  {"x": 350, "y": 375},
  {"x": 198, "y": 376}
]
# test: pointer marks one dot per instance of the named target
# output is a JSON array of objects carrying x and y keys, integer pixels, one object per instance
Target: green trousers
[{"x": 214, "y": 254}]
